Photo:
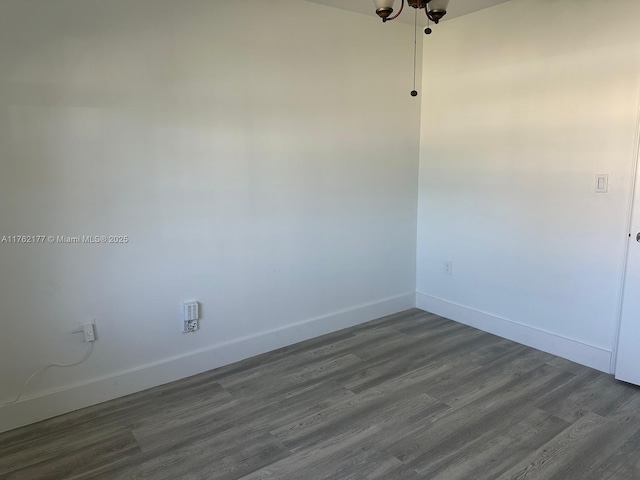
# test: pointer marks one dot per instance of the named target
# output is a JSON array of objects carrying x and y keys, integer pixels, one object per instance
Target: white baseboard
[
  {"x": 579, "y": 352},
  {"x": 74, "y": 397}
]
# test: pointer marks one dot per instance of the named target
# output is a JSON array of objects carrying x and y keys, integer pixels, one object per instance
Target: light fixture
[{"x": 434, "y": 9}]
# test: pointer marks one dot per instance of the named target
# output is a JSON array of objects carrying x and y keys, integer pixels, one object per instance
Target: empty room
[{"x": 319, "y": 239}]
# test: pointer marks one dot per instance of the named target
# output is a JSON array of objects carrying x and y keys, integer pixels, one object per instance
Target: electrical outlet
[
  {"x": 190, "y": 316},
  {"x": 189, "y": 326},
  {"x": 89, "y": 332},
  {"x": 448, "y": 267}
]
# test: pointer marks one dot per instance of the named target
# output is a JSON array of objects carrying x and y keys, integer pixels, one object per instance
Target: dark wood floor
[{"x": 410, "y": 396}]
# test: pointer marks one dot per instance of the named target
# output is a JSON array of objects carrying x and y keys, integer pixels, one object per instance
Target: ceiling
[{"x": 456, "y": 8}]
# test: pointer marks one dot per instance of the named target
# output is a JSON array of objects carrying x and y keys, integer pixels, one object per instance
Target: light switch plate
[{"x": 602, "y": 183}]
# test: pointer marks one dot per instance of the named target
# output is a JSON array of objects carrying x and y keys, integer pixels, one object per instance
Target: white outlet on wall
[
  {"x": 448, "y": 267},
  {"x": 189, "y": 326},
  {"x": 190, "y": 316},
  {"x": 88, "y": 330}
]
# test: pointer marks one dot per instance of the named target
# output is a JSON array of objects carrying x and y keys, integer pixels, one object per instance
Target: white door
[{"x": 628, "y": 358}]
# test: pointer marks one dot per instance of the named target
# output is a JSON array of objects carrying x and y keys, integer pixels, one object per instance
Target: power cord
[{"x": 86, "y": 356}]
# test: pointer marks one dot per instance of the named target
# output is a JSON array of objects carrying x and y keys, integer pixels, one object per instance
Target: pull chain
[
  {"x": 414, "y": 92},
  {"x": 428, "y": 30}
]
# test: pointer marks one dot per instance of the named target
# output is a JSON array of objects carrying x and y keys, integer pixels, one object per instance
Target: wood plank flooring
[{"x": 406, "y": 397}]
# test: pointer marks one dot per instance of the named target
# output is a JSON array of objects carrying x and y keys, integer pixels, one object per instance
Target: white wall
[
  {"x": 246, "y": 151},
  {"x": 526, "y": 102}
]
